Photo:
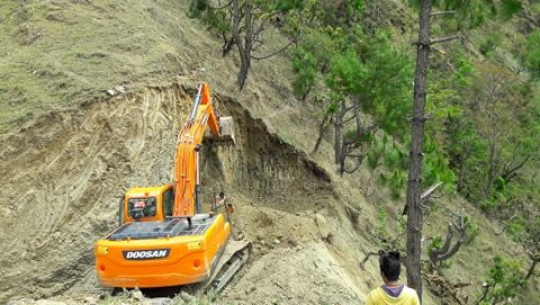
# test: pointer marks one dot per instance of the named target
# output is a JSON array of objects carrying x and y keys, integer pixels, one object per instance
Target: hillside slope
[{"x": 70, "y": 151}]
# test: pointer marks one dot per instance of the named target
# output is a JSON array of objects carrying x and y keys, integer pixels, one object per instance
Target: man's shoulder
[
  {"x": 373, "y": 297},
  {"x": 408, "y": 291},
  {"x": 379, "y": 295},
  {"x": 377, "y": 291},
  {"x": 410, "y": 295}
]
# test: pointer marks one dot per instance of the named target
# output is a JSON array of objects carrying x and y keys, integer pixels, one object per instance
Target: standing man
[{"x": 391, "y": 292}]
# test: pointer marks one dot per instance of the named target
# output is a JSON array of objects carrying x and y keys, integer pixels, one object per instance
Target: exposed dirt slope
[{"x": 75, "y": 164}]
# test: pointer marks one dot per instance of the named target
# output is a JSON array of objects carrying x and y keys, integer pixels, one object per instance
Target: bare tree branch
[
  {"x": 445, "y": 39},
  {"x": 506, "y": 225},
  {"x": 449, "y": 237},
  {"x": 275, "y": 53},
  {"x": 322, "y": 131},
  {"x": 366, "y": 258},
  {"x": 510, "y": 173},
  {"x": 427, "y": 193},
  {"x": 530, "y": 272},
  {"x": 442, "y": 13},
  {"x": 438, "y": 255},
  {"x": 439, "y": 281},
  {"x": 221, "y": 7}
]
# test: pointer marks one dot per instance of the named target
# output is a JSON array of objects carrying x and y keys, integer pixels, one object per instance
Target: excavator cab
[
  {"x": 142, "y": 207},
  {"x": 146, "y": 204}
]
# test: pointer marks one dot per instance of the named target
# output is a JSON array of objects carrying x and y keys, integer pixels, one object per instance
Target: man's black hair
[{"x": 390, "y": 264}]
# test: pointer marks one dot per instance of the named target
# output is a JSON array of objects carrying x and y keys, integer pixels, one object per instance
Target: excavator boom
[{"x": 186, "y": 171}]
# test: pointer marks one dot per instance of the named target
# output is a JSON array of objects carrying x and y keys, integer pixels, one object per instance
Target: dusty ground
[{"x": 70, "y": 150}]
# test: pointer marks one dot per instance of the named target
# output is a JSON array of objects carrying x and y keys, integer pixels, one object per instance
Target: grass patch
[{"x": 62, "y": 53}]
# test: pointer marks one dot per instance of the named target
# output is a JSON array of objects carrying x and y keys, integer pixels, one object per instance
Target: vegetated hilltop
[{"x": 94, "y": 95}]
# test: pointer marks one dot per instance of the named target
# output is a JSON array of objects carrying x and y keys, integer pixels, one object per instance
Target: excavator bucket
[
  {"x": 226, "y": 126},
  {"x": 227, "y": 129}
]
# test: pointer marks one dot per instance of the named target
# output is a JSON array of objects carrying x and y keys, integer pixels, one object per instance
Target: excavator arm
[{"x": 186, "y": 163}]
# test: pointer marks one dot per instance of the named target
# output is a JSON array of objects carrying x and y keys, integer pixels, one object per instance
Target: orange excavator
[{"x": 164, "y": 239}]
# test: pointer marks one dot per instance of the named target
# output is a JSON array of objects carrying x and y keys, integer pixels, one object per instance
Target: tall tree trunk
[
  {"x": 322, "y": 130},
  {"x": 463, "y": 168},
  {"x": 245, "y": 49},
  {"x": 244, "y": 69},
  {"x": 338, "y": 133},
  {"x": 414, "y": 200},
  {"x": 490, "y": 176}
]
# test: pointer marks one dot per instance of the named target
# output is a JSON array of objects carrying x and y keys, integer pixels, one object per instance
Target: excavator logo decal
[{"x": 146, "y": 254}]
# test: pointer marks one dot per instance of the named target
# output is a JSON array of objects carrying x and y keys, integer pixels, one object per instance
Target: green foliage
[
  {"x": 509, "y": 8},
  {"x": 395, "y": 162},
  {"x": 366, "y": 66},
  {"x": 490, "y": 43},
  {"x": 535, "y": 8},
  {"x": 383, "y": 83},
  {"x": 212, "y": 18},
  {"x": 471, "y": 134},
  {"x": 305, "y": 67},
  {"x": 373, "y": 158},
  {"x": 446, "y": 264},
  {"x": 463, "y": 71},
  {"x": 500, "y": 184},
  {"x": 396, "y": 184},
  {"x": 322, "y": 43},
  {"x": 472, "y": 230},
  {"x": 504, "y": 278},
  {"x": 489, "y": 204},
  {"x": 435, "y": 244},
  {"x": 473, "y": 14},
  {"x": 436, "y": 167},
  {"x": 361, "y": 67},
  {"x": 392, "y": 157},
  {"x": 345, "y": 70},
  {"x": 532, "y": 53},
  {"x": 516, "y": 229},
  {"x": 382, "y": 222},
  {"x": 286, "y": 5},
  {"x": 357, "y": 5},
  {"x": 336, "y": 13}
]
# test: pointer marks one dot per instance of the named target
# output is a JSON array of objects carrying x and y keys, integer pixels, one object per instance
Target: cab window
[
  {"x": 168, "y": 203},
  {"x": 142, "y": 207}
]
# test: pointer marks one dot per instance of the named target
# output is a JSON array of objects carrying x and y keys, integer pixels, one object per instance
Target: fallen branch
[
  {"x": 506, "y": 225},
  {"x": 434, "y": 14},
  {"x": 222, "y": 6},
  {"x": 366, "y": 258},
  {"x": 275, "y": 53},
  {"x": 425, "y": 195},
  {"x": 445, "y": 39},
  {"x": 430, "y": 190},
  {"x": 439, "y": 281}
]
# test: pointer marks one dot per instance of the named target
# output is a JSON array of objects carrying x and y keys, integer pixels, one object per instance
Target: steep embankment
[
  {"x": 70, "y": 150},
  {"x": 70, "y": 167}
]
